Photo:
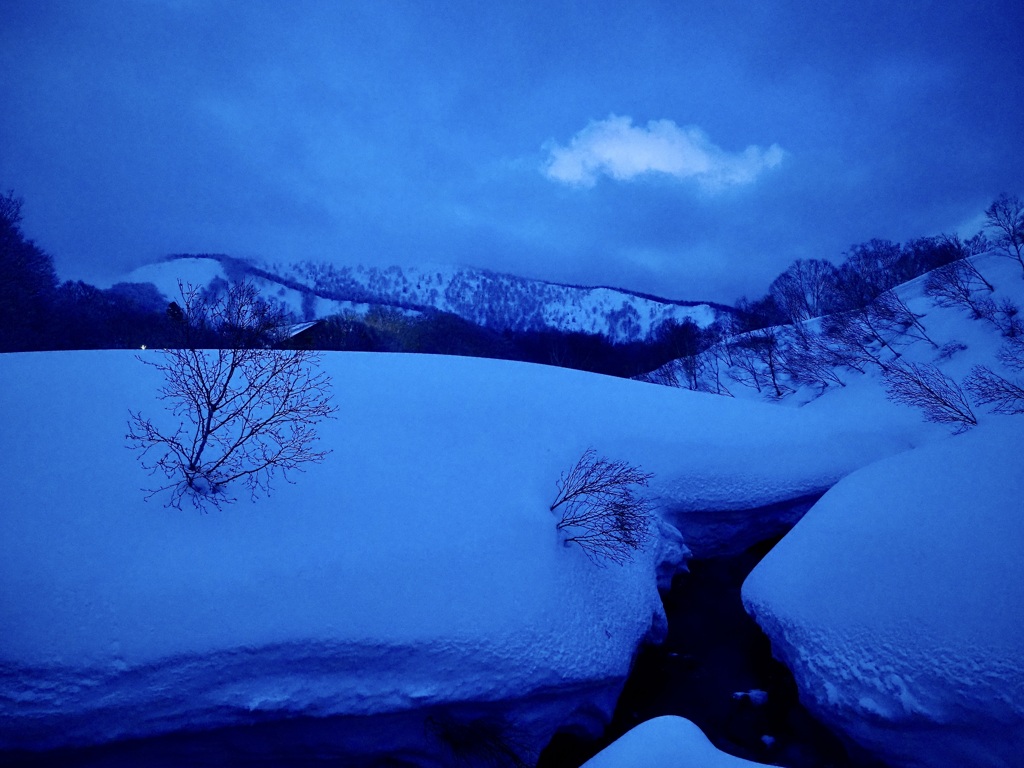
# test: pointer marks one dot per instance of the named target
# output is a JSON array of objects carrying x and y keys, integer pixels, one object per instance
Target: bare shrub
[
  {"x": 602, "y": 512},
  {"x": 855, "y": 339},
  {"x": 1007, "y": 319},
  {"x": 810, "y": 360},
  {"x": 745, "y": 366},
  {"x": 757, "y": 359},
  {"x": 712, "y": 361},
  {"x": 808, "y": 288},
  {"x": 1005, "y": 219},
  {"x": 1011, "y": 354},
  {"x": 989, "y": 388},
  {"x": 700, "y": 373},
  {"x": 928, "y": 388},
  {"x": 891, "y": 311},
  {"x": 245, "y": 411},
  {"x": 959, "y": 285}
]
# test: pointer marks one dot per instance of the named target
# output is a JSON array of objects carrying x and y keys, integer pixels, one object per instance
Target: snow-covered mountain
[{"x": 491, "y": 299}]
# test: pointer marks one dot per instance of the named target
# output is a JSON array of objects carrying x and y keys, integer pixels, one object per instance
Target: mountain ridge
[{"x": 495, "y": 300}]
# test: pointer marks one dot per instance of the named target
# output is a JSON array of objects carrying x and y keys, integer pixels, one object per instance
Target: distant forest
[{"x": 38, "y": 312}]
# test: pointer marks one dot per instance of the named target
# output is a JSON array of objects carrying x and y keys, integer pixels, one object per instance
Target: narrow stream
[{"x": 713, "y": 651}]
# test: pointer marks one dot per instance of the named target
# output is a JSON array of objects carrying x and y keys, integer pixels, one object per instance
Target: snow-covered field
[
  {"x": 418, "y": 568},
  {"x": 417, "y": 565}
]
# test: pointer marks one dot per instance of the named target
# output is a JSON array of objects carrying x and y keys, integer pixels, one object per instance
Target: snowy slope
[
  {"x": 490, "y": 299},
  {"x": 958, "y": 343},
  {"x": 417, "y": 566},
  {"x": 898, "y": 602}
]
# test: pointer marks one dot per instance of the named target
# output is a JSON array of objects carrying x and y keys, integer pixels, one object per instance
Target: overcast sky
[{"x": 689, "y": 149}]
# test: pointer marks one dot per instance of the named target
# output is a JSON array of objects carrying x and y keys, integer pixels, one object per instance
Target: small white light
[{"x": 143, "y": 346}]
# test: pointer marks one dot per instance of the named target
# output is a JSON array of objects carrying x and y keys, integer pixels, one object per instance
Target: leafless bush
[
  {"x": 989, "y": 388},
  {"x": 602, "y": 512},
  {"x": 712, "y": 363},
  {"x": 745, "y": 367},
  {"x": 244, "y": 412},
  {"x": 810, "y": 360},
  {"x": 666, "y": 375},
  {"x": 700, "y": 373},
  {"x": 891, "y": 312},
  {"x": 757, "y": 361},
  {"x": 855, "y": 339},
  {"x": 1007, "y": 319},
  {"x": 874, "y": 333},
  {"x": 1011, "y": 354},
  {"x": 1005, "y": 219},
  {"x": 808, "y": 288},
  {"x": 928, "y": 388},
  {"x": 959, "y": 285}
]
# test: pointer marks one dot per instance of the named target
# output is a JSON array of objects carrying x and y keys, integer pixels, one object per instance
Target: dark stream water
[{"x": 713, "y": 651}]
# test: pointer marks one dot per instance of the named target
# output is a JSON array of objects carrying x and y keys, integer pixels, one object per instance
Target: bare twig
[
  {"x": 601, "y": 511},
  {"x": 989, "y": 388},
  {"x": 928, "y": 388}
]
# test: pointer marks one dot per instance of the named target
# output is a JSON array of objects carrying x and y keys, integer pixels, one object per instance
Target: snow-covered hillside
[
  {"x": 491, "y": 299},
  {"x": 774, "y": 364},
  {"x": 417, "y": 568}
]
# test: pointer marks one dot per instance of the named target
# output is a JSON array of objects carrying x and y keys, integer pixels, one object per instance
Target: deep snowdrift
[
  {"x": 418, "y": 565},
  {"x": 898, "y": 602}
]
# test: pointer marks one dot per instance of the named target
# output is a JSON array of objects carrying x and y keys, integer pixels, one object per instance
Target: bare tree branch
[
  {"x": 958, "y": 285},
  {"x": 245, "y": 411},
  {"x": 928, "y": 388},
  {"x": 602, "y": 512},
  {"x": 989, "y": 388},
  {"x": 1005, "y": 218}
]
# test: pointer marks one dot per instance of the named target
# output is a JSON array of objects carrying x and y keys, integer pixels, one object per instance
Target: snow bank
[
  {"x": 898, "y": 603},
  {"x": 665, "y": 742},
  {"x": 418, "y": 565},
  {"x": 742, "y": 471}
]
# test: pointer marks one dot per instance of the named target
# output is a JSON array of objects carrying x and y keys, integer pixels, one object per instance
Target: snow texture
[
  {"x": 665, "y": 742},
  {"x": 417, "y": 566},
  {"x": 898, "y": 602}
]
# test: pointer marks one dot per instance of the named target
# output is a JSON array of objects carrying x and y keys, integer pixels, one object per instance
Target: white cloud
[{"x": 616, "y": 148}]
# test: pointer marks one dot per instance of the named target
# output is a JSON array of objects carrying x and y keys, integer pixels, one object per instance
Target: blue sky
[{"x": 687, "y": 149}]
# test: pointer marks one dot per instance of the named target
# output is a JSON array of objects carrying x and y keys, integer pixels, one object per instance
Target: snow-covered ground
[
  {"x": 418, "y": 569},
  {"x": 898, "y": 602},
  {"x": 418, "y": 565}
]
